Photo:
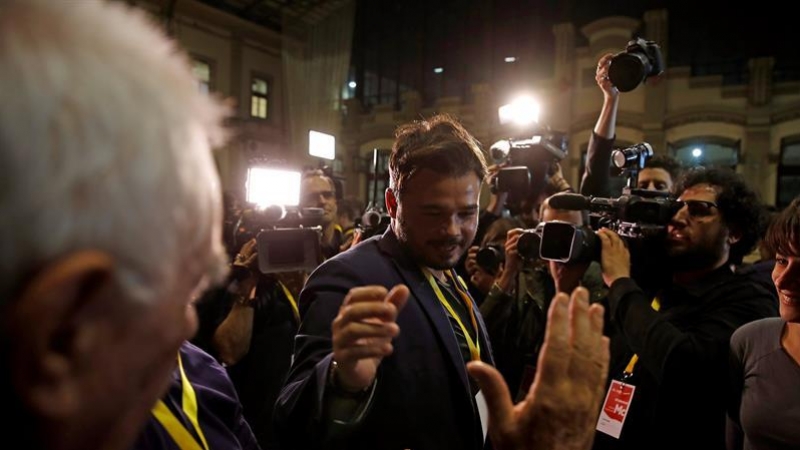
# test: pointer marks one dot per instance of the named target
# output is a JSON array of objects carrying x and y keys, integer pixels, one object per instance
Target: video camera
[
  {"x": 527, "y": 162},
  {"x": 287, "y": 236},
  {"x": 637, "y": 214}
]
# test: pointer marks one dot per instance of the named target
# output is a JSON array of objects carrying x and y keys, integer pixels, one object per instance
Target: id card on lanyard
[
  {"x": 474, "y": 345},
  {"x": 619, "y": 397}
]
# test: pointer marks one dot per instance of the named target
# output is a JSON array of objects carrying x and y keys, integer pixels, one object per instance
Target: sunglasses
[{"x": 699, "y": 208}]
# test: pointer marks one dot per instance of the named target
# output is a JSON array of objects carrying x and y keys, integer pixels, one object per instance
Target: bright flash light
[
  {"x": 697, "y": 152},
  {"x": 321, "y": 145},
  {"x": 438, "y": 69},
  {"x": 522, "y": 111},
  {"x": 510, "y": 59},
  {"x": 267, "y": 187},
  {"x": 352, "y": 84}
]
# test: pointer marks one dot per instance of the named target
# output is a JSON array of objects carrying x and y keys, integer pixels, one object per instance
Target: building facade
[{"x": 752, "y": 125}]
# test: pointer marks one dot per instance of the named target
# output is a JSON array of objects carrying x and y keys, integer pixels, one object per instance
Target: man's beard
[
  {"x": 404, "y": 241},
  {"x": 702, "y": 256}
]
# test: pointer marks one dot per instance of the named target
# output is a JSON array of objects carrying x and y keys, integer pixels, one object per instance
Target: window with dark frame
[
  {"x": 788, "y": 172},
  {"x": 707, "y": 152},
  {"x": 259, "y": 98},
  {"x": 201, "y": 69},
  {"x": 375, "y": 194}
]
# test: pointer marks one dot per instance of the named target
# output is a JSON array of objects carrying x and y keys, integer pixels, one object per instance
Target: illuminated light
[
  {"x": 266, "y": 187},
  {"x": 321, "y": 145},
  {"x": 438, "y": 69},
  {"x": 352, "y": 84},
  {"x": 522, "y": 111},
  {"x": 510, "y": 59},
  {"x": 697, "y": 152}
]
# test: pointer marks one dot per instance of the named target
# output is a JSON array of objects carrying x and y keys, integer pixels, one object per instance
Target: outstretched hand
[{"x": 561, "y": 408}]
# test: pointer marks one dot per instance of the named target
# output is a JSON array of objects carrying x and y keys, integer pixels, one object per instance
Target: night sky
[{"x": 406, "y": 39}]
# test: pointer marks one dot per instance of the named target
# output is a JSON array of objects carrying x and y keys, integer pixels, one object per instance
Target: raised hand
[
  {"x": 363, "y": 332},
  {"x": 562, "y": 405},
  {"x": 601, "y": 76}
]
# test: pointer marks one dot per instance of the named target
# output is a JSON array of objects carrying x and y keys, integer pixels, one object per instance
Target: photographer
[
  {"x": 250, "y": 327},
  {"x": 680, "y": 338},
  {"x": 515, "y": 307},
  {"x": 318, "y": 190},
  {"x": 660, "y": 172},
  {"x": 483, "y": 274}
]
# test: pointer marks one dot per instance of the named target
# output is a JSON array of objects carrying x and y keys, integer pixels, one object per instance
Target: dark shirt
[
  {"x": 596, "y": 179},
  {"x": 682, "y": 374},
  {"x": 516, "y": 323},
  {"x": 219, "y": 413},
  {"x": 259, "y": 375}
]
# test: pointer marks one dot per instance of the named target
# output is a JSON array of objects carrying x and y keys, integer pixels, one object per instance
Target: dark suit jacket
[{"x": 422, "y": 398}]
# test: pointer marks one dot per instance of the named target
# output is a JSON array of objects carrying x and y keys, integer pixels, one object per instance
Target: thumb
[
  {"x": 495, "y": 390},
  {"x": 398, "y": 296}
]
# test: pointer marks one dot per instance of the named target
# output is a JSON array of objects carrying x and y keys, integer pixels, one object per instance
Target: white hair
[{"x": 104, "y": 144}]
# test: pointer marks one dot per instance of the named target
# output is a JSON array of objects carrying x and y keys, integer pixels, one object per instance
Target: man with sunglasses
[{"x": 669, "y": 354}]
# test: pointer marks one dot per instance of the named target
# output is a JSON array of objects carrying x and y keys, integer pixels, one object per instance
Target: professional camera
[
  {"x": 529, "y": 243},
  {"x": 640, "y": 61},
  {"x": 637, "y": 214},
  {"x": 287, "y": 236},
  {"x": 527, "y": 162},
  {"x": 490, "y": 257},
  {"x": 634, "y": 215},
  {"x": 373, "y": 222}
]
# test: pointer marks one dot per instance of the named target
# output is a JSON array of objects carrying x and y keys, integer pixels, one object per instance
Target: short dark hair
[
  {"x": 784, "y": 231},
  {"x": 314, "y": 173},
  {"x": 440, "y": 143},
  {"x": 739, "y": 205},
  {"x": 669, "y": 163}
]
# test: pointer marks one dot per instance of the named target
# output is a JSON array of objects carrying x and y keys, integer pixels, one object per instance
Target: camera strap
[
  {"x": 292, "y": 301},
  {"x": 628, "y": 372},
  {"x": 474, "y": 345},
  {"x": 175, "y": 428}
]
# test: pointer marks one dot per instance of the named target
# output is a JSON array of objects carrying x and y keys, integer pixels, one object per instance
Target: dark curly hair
[
  {"x": 669, "y": 163},
  {"x": 739, "y": 205}
]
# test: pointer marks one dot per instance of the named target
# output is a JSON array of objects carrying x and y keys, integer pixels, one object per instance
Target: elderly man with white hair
[{"x": 110, "y": 217}]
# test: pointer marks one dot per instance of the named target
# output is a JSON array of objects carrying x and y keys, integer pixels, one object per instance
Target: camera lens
[
  {"x": 528, "y": 245},
  {"x": 489, "y": 258},
  {"x": 627, "y": 70}
]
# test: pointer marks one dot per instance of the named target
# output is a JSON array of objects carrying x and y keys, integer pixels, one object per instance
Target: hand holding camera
[{"x": 615, "y": 257}]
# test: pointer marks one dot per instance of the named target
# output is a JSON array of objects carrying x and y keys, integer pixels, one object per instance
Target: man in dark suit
[{"x": 357, "y": 381}]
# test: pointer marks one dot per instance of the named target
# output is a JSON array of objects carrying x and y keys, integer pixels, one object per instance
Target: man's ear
[
  {"x": 391, "y": 202},
  {"x": 734, "y": 235},
  {"x": 53, "y": 328}
]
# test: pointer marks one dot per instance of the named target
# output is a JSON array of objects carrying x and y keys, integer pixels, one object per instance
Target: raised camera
[{"x": 641, "y": 60}]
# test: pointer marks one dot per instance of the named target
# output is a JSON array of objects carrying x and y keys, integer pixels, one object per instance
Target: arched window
[
  {"x": 788, "y": 171},
  {"x": 707, "y": 152}
]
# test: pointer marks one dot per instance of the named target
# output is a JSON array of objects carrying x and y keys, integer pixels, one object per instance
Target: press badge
[
  {"x": 483, "y": 412},
  {"x": 615, "y": 408}
]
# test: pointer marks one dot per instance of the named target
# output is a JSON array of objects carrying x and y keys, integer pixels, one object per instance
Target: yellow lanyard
[
  {"x": 656, "y": 305},
  {"x": 292, "y": 301},
  {"x": 174, "y": 427},
  {"x": 474, "y": 345}
]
